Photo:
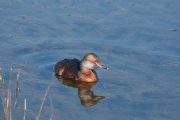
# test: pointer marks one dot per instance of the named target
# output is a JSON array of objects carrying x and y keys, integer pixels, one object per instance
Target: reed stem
[
  {"x": 38, "y": 117},
  {"x": 24, "y": 118}
]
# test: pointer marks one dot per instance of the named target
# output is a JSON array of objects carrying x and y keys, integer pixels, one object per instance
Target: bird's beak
[{"x": 102, "y": 66}]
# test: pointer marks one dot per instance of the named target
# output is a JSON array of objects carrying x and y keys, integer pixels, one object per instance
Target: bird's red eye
[
  {"x": 95, "y": 61},
  {"x": 92, "y": 101}
]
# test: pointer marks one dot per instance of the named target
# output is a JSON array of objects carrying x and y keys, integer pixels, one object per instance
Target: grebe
[{"x": 80, "y": 71}]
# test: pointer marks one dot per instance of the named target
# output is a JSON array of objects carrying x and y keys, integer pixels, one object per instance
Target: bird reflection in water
[{"x": 85, "y": 94}]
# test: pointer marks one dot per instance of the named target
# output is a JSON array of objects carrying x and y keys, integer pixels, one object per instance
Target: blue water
[{"x": 138, "y": 40}]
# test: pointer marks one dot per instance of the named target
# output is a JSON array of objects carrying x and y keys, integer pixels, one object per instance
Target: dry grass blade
[
  {"x": 1, "y": 79},
  {"x": 4, "y": 100},
  {"x": 9, "y": 84},
  {"x": 16, "y": 102},
  {"x": 5, "y": 109},
  {"x": 10, "y": 108},
  {"x": 8, "y": 100},
  {"x": 37, "y": 117},
  {"x": 17, "y": 89},
  {"x": 24, "y": 109}
]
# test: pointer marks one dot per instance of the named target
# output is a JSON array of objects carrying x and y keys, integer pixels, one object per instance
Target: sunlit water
[{"x": 137, "y": 40}]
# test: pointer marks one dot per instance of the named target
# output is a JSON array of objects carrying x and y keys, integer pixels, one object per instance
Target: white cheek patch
[{"x": 88, "y": 64}]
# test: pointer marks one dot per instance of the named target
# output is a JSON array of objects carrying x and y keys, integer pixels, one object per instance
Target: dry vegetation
[{"x": 7, "y": 102}]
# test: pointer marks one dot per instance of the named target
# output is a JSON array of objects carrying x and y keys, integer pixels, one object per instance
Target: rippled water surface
[{"x": 138, "y": 40}]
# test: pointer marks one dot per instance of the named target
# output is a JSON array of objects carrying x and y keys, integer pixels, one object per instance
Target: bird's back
[{"x": 68, "y": 68}]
